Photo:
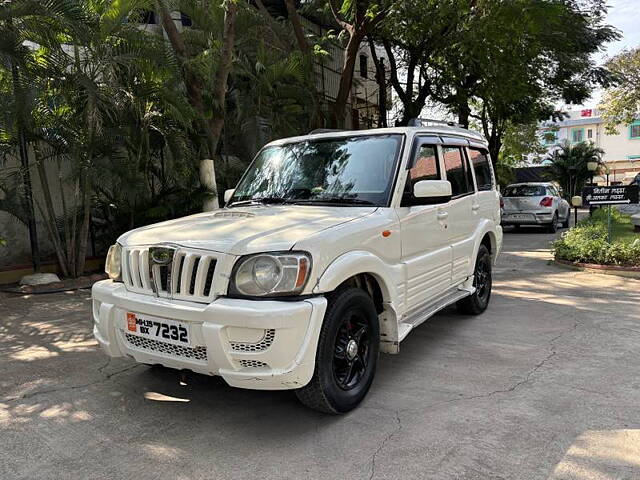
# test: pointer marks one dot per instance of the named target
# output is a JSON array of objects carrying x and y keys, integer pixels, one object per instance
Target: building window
[
  {"x": 590, "y": 133},
  {"x": 634, "y": 130},
  {"x": 148, "y": 17},
  {"x": 185, "y": 20},
  {"x": 550, "y": 137},
  {"x": 577, "y": 135},
  {"x": 363, "y": 66}
]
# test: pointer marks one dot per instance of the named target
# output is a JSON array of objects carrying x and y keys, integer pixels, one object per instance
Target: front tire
[
  {"x": 347, "y": 354},
  {"x": 478, "y": 302}
]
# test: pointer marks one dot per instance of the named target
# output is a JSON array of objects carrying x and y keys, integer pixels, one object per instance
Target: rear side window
[
  {"x": 482, "y": 169},
  {"x": 457, "y": 171}
]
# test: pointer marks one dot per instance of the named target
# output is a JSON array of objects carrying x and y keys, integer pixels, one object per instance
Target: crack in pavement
[
  {"x": 105, "y": 378},
  {"x": 383, "y": 443},
  {"x": 527, "y": 377}
]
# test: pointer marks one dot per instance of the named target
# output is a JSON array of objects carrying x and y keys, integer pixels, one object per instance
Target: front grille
[
  {"x": 260, "y": 346},
  {"x": 189, "y": 276},
  {"x": 154, "y": 346},
  {"x": 252, "y": 364}
]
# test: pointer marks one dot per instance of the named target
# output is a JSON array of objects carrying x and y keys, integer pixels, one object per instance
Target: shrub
[{"x": 587, "y": 243}]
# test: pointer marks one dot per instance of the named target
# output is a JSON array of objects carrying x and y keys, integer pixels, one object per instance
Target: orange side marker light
[{"x": 386, "y": 233}]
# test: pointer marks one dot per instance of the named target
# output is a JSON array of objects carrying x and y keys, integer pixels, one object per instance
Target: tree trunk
[
  {"x": 381, "y": 80},
  {"x": 463, "y": 113},
  {"x": 84, "y": 227},
  {"x": 346, "y": 78},
  {"x": 298, "y": 29},
  {"x": 26, "y": 181},
  {"x": 495, "y": 144},
  {"x": 49, "y": 215},
  {"x": 211, "y": 129}
]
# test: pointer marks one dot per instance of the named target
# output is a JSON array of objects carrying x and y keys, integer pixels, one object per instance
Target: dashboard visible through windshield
[{"x": 356, "y": 171}]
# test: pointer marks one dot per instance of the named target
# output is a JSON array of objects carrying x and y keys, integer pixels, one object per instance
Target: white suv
[{"x": 332, "y": 248}]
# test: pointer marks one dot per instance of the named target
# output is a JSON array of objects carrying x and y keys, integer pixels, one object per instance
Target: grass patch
[{"x": 587, "y": 243}]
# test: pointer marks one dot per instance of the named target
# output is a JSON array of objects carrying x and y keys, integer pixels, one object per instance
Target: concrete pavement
[{"x": 544, "y": 385}]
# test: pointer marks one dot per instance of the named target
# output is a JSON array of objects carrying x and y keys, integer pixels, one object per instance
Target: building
[{"x": 621, "y": 150}]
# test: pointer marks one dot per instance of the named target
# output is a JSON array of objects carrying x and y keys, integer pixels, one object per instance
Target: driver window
[{"x": 424, "y": 166}]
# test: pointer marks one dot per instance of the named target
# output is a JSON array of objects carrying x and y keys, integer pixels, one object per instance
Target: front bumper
[
  {"x": 527, "y": 218},
  {"x": 266, "y": 345}
]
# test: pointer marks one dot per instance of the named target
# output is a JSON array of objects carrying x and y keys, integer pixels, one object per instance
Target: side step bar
[{"x": 415, "y": 318}]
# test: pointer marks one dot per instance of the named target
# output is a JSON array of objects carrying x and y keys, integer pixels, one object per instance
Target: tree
[
  {"x": 358, "y": 18},
  {"x": 500, "y": 63},
  {"x": 621, "y": 103},
  {"x": 530, "y": 71},
  {"x": 210, "y": 120},
  {"x": 568, "y": 165},
  {"x": 415, "y": 34}
]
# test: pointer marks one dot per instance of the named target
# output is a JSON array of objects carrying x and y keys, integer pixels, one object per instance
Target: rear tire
[
  {"x": 478, "y": 302},
  {"x": 553, "y": 226},
  {"x": 347, "y": 354}
]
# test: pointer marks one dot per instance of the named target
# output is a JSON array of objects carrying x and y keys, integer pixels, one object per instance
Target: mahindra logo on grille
[
  {"x": 160, "y": 260},
  {"x": 161, "y": 255}
]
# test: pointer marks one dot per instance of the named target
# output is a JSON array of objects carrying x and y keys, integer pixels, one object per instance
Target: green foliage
[
  {"x": 503, "y": 63},
  {"x": 103, "y": 108},
  {"x": 568, "y": 166},
  {"x": 587, "y": 243},
  {"x": 621, "y": 103}
]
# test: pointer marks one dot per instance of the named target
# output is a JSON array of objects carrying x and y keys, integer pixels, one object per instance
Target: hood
[{"x": 241, "y": 231}]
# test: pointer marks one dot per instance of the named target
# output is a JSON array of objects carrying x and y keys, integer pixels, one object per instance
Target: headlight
[
  {"x": 270, "y": 274},
  {"x": 112, "y": 265}
]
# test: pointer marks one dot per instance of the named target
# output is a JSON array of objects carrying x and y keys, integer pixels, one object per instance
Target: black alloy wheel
[
  {"x": 347, "y": 353},
  {"x": 478, "y": 302},
  {"x": 351, "y": 351}
]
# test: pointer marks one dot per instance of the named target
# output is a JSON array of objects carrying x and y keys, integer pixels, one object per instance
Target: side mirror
[
  {"x": 436, "y": 190},
  {"x": 228, "y": 194}
]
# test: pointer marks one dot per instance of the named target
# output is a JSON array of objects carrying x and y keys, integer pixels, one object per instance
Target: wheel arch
[
  {"x": 487, "y": 236},
  {"x": 380, "y": 280}
]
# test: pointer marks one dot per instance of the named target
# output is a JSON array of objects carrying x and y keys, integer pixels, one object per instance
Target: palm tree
[{"x": 568, "y": 165}]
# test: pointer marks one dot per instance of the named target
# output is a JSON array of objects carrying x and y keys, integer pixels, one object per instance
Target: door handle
[
  {"x": 442, "y": 215},
  {"x": 475, "y": 206}
]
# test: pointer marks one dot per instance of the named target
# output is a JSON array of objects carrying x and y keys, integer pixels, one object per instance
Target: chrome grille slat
[
  {"x": 135, "y": 268},
  {"x": 144, "y": 270},
  {"x": 189, "y": 277}
]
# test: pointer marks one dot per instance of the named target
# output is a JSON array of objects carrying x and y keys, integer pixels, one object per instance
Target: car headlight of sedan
[
  {"x": 113, "y": 263},
  {"x": 270, "y": 274}
]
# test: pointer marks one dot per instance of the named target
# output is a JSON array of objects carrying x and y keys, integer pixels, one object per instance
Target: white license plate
[
  {"x": 161, "y": 329},
  {"x": 520, "y": 217}
]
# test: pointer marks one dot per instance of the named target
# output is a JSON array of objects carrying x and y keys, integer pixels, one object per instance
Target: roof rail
[
  {"x": 325, "y": 130},
  {"x": 423, "y": 122}
]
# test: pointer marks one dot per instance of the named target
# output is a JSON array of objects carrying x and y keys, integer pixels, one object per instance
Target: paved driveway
[{"x": 544, "y": 385}]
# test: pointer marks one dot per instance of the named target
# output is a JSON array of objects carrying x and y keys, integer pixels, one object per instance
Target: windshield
[
  {"x": 351, "y": 171},
  {"x": 524, "y": 191}
]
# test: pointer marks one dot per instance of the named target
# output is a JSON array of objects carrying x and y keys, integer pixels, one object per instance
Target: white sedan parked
[{"x": 534, "y": 204}]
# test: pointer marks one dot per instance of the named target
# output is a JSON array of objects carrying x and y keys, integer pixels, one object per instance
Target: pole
[
  {"x": 609, "y": 225},
  {"x": 575, "y": 211}
]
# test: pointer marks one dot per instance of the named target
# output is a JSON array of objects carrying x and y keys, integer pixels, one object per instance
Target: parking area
[{"x": 544, "y": 385}]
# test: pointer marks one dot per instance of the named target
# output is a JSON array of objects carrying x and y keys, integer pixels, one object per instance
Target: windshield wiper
[
  {"x": 336, "y": 201},
  {"x": 263, "y": 201}
]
